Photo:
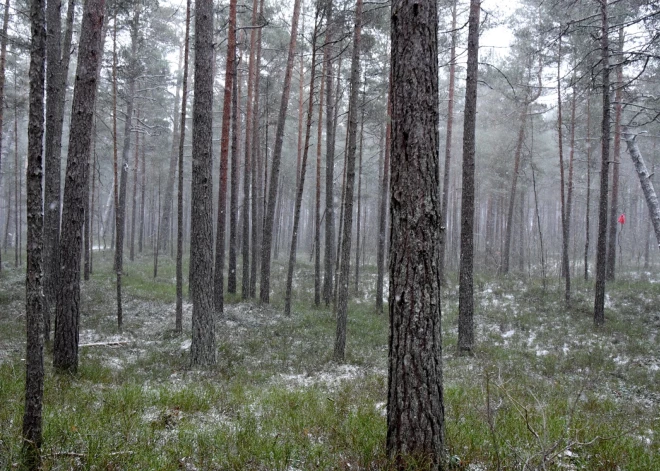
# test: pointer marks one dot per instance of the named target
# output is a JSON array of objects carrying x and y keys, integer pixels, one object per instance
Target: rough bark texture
[
  {"x": 67, "y": 316},
  {"x": 345, "y": 263},
  {"x": 382, "y": 213},
  {"x": 3, "y": 58},
  {"x": 329, "y": 252},
  {"x": 264, "y": 286},
  {"x": 34, "y": 359},
  {"x": 179, "y": 218},
  {"x": 645, "y": 181},
  {"x": 466, "y": 281},
  {"x": 601, "y": 244},
  {"x": 202, "y": 349},
  {"x": 415, "y": 410},
  {"x": 218, "y": 284}
]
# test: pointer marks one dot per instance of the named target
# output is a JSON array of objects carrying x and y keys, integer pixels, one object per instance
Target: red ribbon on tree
[{"x": 622, "y": 219}]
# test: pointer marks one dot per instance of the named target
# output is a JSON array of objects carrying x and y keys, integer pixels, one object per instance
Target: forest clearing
[{"x": 543, "y": 390}]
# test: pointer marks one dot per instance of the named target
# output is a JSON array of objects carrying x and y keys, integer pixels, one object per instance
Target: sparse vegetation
[{"x": 542, "y": 391}]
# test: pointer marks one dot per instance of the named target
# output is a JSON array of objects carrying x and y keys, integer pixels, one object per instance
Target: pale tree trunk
[
  {"x": 359, "y": 195},
  {"x": 645, "y": 181},
  {"x": 586, "y": 222},
  {"x": 569, "y": 196},
  {"x": 466, "y": 276},
  {"x": 344, "y": 274},
  {"x": 34, "y": 359},
  {"x": 415, "y": 408},
  {"x": 448, "y": 139},
  {"x": 136, "y": 163},
  {"x": 230, "y": 73},
  {"x": 317, "y": 207},
  {"x": 301, "y": 176},
  {"x": 143, "y": 187},
  {"x": 329, "y": 252},
  {"x": 202, "y": 348},
  {"x": 179, "y": 219},
  {"x": 565, "y": 268},
  {"x": 264, "y": 286},
  {"x": 601, "y": 245},
  {"x": 233, "y": 201},
  {"x": 67, "y": 318},
  {"x": 614, "y": 196}
]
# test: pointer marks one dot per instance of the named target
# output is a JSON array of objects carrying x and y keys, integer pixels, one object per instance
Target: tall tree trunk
[
  {"x": 569, "y": 197},
  {"x": 329, "y": 252},
  {"x": 466, "y": 284},
  {"x": 255, "y": 179},
  {"x": 415, "y": 409},
  {"x": 34, "y": 359},
  {"x": 65, "y": 351},
  {"x": 230, "y": 73},
  {"x": 143, "y": 187},
  {"x": 179, "y": 218},
  {"x": 264, "y": 287},
  {"x": 614, "y": 197},
  {"x": 344, "y": 274},
  {"x": 586, "y": 222},
  {"x": 601, "y": 244},
  {"x": 359, "y": 195},
  {"x": 202, "y": 348},
  {"x": 57, "y": 59},
  {"x": 301, "y": 177},
  {"x": 317, "y": 205},
  {"x": 235, "y": 170},
  {"x": 169, "y": 188},
  {"x": 136, "y": 163},
  {"x": 448, "y": 138},
  {"x": 120, "y": 214},
  {"x": 382, "y": 213},
  {"x": 3, "y": 59}
]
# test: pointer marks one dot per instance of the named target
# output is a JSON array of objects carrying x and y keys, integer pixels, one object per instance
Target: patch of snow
[
  {"x": 508, "y": 334},
  {"x": 541, "y": 353}
]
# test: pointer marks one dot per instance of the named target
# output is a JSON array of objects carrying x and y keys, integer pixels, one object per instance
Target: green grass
[{"x": 544, "y": 388}]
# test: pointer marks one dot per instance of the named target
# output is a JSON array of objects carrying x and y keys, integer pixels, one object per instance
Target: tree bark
[
  {"x": 67, "y": 318},
  {"x": 466, "y": 284},
  {"x": 3, "y": 58},
  {"x": 34, "y": 359},
  {"x": 218, "y": 284},
  {"x": 601, "y": 244},
  {"x": 233, "y": 200},
  {"x": 264, "y": 287},
  {"x": 382, "y": 214},
  {"x": 317, "y": 206},
  {"x": 588, "y": 203},
  {"x": 359, "y": 195},
  {"x": 202, "y": 349},
  {"x": 136, "y": 163},
  {"x": 415, "y": 410}
]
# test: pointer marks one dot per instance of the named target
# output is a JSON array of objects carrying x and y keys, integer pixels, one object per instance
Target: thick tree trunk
[
  {"x": 34, "y": 359},
  {"x": 601, "y": 245},
  {"x": 329, "y": 252},
  {"x": 301, "y": 176},
  {"x": 230, "y": 73},
  {"x": 264, "y": 287},
  {"x": 179, "y": 218},
  {"x": 645, "y": 181},
  {"x": 202, "y": 349},
  {"x": 415, "y": 410},
  {"x": 466, "y": 283},
  {"x": 65, "y": 351},
  {"x": 344, "y": 274}
]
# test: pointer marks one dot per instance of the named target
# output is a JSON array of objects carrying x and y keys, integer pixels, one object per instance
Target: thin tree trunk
[
  {"x": 34, "y": 359},
  {"x": 569, "y": 194},
  {"x": 156, "y": 245},
  {"x": 317, "y": 206},
  {"x": 179, "y": 218},
  {"x": 565, "y": 268},
  {"x": 359, "y": 196},
  {"x": 235, "y": 170},
  {"x": 344, "y": 275},
  {"x": 303, "y": 170},
  {"x": 466, "y": 285},
  {"x": 586, "y": 222},
  {"x": 143, "y": 187},
  {"x": 614, "y": 197},
  {"x": 264, "y": 287},
  {"x": 382, "y": 216},
  {"x": 3, "y": 59},
  {"x": 601, "y": 245},
  {"x": 230, "y": 73},
  {"x": 136, "y": 163},
  {"x": 65, "y": 351},
  {"x": 329, "y": 252}
]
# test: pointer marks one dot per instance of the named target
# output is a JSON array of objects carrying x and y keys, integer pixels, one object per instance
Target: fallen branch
[{"x": 104, "y": 344}]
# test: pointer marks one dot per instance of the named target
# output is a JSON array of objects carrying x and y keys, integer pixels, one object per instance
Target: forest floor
[{"x": 543, "y": 390}]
